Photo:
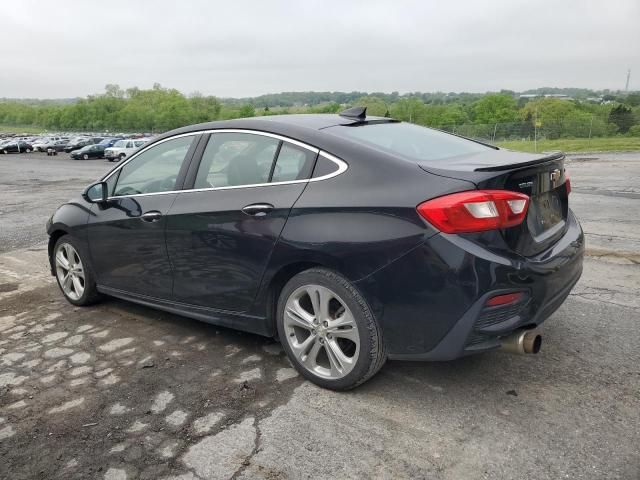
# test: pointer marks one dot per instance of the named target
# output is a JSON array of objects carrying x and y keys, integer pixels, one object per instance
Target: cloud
[{"x": 242, "y": 48}]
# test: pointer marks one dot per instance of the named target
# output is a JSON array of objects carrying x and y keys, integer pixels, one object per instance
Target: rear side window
[
  {"x": 236, "y": 159},
  {"x": 294, "y": 163},
  {"x": 409, "y": 141}
]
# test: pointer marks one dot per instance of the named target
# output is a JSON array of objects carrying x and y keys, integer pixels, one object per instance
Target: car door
[
  {"x": 221, "y": 232},
  {"x": 126, "y": 235}
]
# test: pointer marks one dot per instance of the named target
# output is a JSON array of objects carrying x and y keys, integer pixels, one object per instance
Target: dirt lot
[{"x": 119, "y": 391}]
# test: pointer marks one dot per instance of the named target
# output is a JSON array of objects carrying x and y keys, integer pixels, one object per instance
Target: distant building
[{"x": 559, "y": 96}]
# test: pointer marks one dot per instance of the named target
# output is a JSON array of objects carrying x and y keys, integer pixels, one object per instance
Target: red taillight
[
  {"x": 505, "y": 299},
  {"x": 567, "y": 184},
  {"x": 475, "y": 210}
]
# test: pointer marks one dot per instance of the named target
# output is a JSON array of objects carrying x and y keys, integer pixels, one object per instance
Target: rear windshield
[{"x": 410, "y": 141}]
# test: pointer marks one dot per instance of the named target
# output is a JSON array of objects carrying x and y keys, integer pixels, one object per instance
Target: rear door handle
[
  {"x": 152, "y": 216},
  {"x": 258, "y": 209}
]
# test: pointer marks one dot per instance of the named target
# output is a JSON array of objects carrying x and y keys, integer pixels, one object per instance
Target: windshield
[
  {"x": 120, "y": 143},
  {"x": 409, "y": 141}
]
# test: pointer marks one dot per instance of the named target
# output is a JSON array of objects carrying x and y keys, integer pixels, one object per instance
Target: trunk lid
[{"x": 540, "y": 176}]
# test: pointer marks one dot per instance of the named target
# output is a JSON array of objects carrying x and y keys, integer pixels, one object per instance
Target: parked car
[
  {"x": 77, "y": 143},
  {"x": 109, "y": 142},
  {"x": 19, "y": 146},
  {"x": 90, "y": 151},
  {"x": 123, "y": 148},
  {"x": 350, "y": 238},
  {"x": 41, "y": 144},
  {"x": 54, "y": 148}
]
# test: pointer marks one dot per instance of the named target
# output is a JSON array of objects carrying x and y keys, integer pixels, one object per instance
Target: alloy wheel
[
  {"x": 70, "y": 271},
  {"x": 321, "y": 331}
]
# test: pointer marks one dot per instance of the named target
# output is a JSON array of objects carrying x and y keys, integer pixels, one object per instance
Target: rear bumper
[{"x": 431, "y": 302}]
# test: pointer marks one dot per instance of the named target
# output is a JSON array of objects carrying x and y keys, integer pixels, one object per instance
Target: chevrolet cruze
[{"x": 352, "y": 239}]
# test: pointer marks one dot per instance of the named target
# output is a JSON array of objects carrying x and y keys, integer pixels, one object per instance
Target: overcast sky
[{"x": 246, "y": 48}]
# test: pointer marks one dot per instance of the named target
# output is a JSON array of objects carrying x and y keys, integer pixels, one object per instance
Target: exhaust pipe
[{"x": 522, "y": 341}]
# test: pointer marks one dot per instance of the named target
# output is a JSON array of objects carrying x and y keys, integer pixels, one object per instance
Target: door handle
[
  {"x": 258, "y": 209},
  {"x": 152, "y": 216}
]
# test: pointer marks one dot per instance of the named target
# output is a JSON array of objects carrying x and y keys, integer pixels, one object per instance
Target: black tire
[
  {"x": 121, "y": 157},
  {"x": 90, "y": 294},
  {"x": 372, "y": 352},
  {"x": 85, "y": 157}
]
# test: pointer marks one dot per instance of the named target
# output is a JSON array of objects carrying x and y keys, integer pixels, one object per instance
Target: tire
[
  {"x": 89, "y": 294},
  {"x": 85, "y": 157},
  {"x": 362, "y": 351},
  {"x": 121, "y": 157},
  {"x": 27, "y": 150}
]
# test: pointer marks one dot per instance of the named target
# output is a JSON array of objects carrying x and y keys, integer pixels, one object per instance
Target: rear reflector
[
  {"x": 505, "y": 299},
  {"x": 475, "y": 210}
]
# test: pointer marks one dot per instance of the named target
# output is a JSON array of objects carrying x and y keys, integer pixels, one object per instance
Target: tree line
[{"x": 159, "y": 109}]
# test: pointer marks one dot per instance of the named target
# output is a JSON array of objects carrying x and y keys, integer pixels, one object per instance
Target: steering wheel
[
  {"x": 163, "y": 185},
  {"x": 127, "y": 191}
]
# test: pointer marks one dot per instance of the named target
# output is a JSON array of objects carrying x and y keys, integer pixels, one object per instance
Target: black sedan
[
  {"x": 77, "y": 144},
  {"x": 16, "y": 147},
  {"x": 352, "y": 239},
  {"x": 90, "y": 151}
]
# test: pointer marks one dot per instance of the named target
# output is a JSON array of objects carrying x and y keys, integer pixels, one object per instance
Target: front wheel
[
  {"x": 328, "y": 330},
  {"x": 121, "y": 157},
  {"x": 73, "y": 273},
  {"x": 85, "y": 157}
]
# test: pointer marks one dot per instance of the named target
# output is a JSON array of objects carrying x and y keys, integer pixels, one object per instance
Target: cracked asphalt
[{"x": 119, "y": 391}]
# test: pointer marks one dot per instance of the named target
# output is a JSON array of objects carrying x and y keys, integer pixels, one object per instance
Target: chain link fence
[{"x": 548, "y": 129}]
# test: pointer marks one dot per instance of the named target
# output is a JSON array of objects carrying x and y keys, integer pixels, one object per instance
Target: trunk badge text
[{"x": 526, "y": 184}]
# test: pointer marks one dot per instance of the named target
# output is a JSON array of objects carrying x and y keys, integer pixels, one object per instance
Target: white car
[{"x": 123, "y": 148}]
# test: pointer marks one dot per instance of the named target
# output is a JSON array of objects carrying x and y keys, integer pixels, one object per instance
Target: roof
[{"x": 303, "y": 127}]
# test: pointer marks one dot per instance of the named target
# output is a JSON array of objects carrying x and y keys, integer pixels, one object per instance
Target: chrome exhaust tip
[{"x": 522, "y": 341}]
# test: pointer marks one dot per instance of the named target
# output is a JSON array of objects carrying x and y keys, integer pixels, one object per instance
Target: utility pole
[
  {"x": 626, "y": 87},
  {"x": 535, "y": 130}
]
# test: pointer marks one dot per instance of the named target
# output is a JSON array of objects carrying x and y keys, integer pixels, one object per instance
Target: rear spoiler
[{"x": 549, "y": 157}]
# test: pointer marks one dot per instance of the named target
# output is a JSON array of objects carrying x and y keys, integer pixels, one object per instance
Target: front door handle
[
  {"x": 258, "y": 209},
  {"x": 152, "y": 216}
]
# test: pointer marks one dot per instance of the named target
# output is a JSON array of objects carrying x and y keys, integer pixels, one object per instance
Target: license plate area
[{"x": 545, "y": 214}]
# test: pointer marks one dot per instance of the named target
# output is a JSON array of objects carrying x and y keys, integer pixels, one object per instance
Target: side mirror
[{"x": 96, "y": 193}]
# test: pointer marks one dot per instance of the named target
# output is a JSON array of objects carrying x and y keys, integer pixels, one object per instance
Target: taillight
[
  {"x": 567, "y": 184},
  {"x": 475, "y": 210}
]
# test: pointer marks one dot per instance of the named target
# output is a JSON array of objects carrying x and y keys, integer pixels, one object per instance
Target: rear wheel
[
  {"x": 85, "y": 157},
  {"x": 328, "y": 330},
  {"x": 73, "y": 273}
]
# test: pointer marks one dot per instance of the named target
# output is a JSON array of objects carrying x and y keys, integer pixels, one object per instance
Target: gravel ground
[{"x": 120, "y": 391}]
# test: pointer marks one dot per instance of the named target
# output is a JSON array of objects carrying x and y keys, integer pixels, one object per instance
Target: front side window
[
  {"x": 154, "y": 170},
  {"x": 234, "y": 159}
]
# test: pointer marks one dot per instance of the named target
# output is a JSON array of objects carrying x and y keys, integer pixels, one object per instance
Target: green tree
[
  {"x": 247, "y": 110},
  {"x": 622, "y": 116},
  {"x": 375, "y": 105},
  {"x": 497, "y": 108}
]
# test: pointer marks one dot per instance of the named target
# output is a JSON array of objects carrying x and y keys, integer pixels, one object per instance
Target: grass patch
[
  {"x": 614, "y": 144},
  {"x": 13, "y": 129}
]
